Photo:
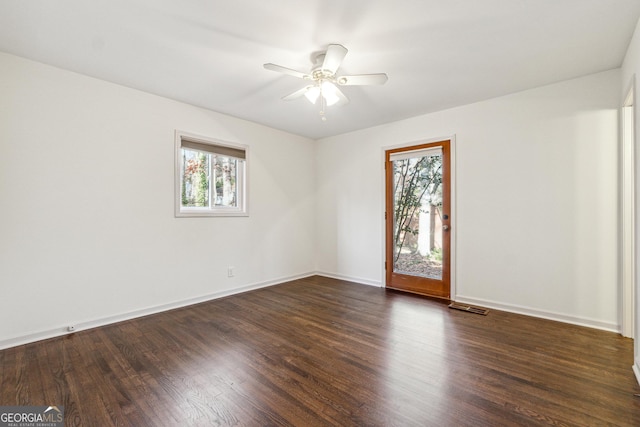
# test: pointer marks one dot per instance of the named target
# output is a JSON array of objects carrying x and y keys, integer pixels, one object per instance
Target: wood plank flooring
[{"x": 320, "y": 351}]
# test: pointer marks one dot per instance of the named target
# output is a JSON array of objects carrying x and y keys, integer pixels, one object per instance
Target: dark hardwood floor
[{"x": 320, "y": 351}]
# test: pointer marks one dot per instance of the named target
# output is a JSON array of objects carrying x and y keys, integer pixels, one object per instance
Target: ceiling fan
[{"x": 323, "y": 79}]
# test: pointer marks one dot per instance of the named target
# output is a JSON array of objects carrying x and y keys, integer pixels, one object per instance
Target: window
[{"x": 210, "y": 177}]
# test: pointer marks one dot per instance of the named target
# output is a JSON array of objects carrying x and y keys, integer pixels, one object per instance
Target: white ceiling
[{"x": 438, "y": 53}]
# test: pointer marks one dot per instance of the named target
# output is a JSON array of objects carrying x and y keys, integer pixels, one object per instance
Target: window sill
[{"x": 207, "y": 213}]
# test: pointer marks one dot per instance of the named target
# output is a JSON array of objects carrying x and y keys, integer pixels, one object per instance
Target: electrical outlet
[{"x": 230, "y": 272}]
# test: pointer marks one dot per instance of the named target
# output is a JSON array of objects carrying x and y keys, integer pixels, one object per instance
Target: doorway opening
[{"x": 628, "y": 216}]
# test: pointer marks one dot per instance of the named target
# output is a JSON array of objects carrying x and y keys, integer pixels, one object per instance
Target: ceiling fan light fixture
[
  {"x": 328, "y": 91},
  {"x": 312, "y": 94}
]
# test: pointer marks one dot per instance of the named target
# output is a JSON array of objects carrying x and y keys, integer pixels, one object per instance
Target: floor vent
[{"x": 469, "y": 308}]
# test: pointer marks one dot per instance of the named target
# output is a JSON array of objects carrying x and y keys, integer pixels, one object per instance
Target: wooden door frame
[{"x": 453, "y": 207}]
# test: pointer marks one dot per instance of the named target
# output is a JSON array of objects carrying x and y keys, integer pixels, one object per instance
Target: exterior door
[{"x": 418, "y": 219}]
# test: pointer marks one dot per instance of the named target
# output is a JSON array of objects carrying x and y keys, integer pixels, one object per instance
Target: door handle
[{"x": 446, "y": 227}]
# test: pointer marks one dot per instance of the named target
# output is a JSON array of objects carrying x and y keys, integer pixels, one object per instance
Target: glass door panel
[{"x": 417, "y": 214}]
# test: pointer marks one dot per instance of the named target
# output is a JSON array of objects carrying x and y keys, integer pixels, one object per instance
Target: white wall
[
  {"x": 537, "y": 199},
  {"x": 630, "y": 71},
  {"x": 87, "y": 226}
]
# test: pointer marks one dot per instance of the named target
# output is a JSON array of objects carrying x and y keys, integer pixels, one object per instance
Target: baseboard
[
  {"x": 359, "y": 280},
  {"x": 636, "y": 370},
  {"x": 56, "y": 332},
  {"x": 543, "y": 314}
]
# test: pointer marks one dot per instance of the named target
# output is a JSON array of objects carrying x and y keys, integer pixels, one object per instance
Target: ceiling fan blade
[
  {"x": 362, "y": 79},
  {"x": 297, "y": 94},
  {"x": 285, "y": 70},
  {"x": 333, "y": 58}
]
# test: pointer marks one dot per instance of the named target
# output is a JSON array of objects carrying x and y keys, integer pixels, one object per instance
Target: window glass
[{"x": 210, "y": 177}]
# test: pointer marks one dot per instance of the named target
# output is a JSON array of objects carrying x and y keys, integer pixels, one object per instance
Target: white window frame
[{"x": 211, "y": 146}]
